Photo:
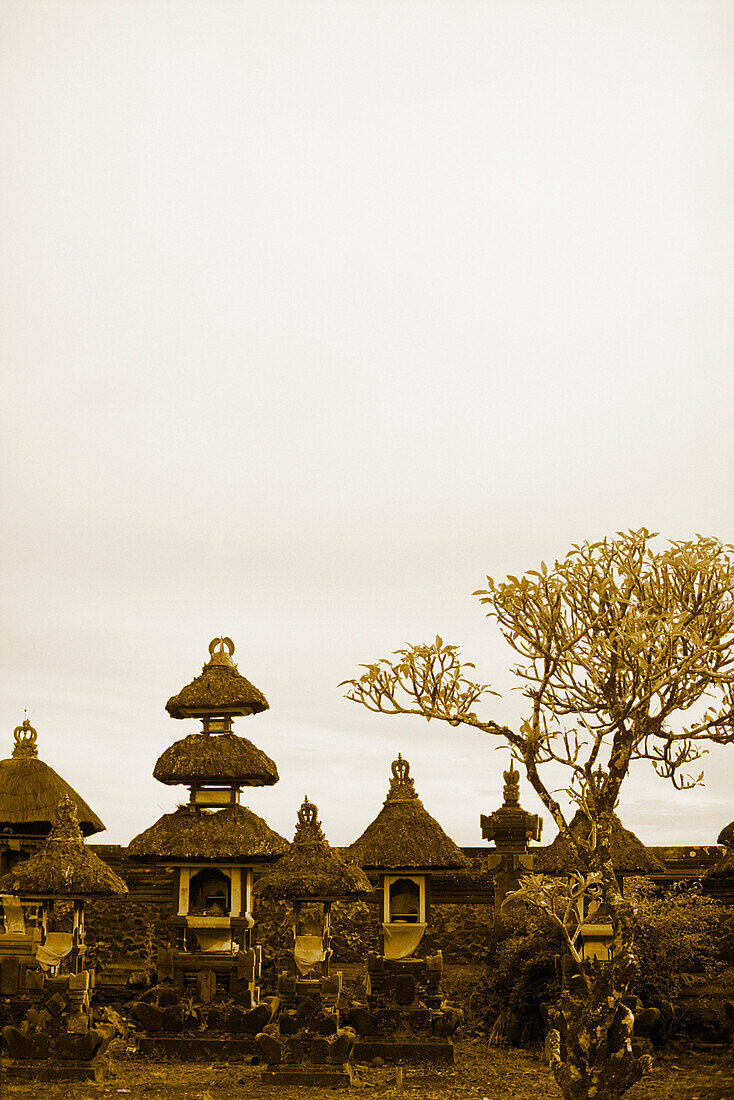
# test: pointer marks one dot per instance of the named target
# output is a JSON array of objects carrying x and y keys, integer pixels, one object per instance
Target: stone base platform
[
  {"x": 329, "y": 1077},
  {"x": 404, "y": 1050},
  {"x": 197, "y": 1049},
  {"x": 54, "y": 1069}
]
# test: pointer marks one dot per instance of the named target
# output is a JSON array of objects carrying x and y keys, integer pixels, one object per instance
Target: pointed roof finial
[
  {"x": 25, "y": 738},
  {"x": 512, "y": 785}
]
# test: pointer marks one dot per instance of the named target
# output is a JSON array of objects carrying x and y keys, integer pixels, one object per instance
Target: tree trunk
[{"x": 594, "y": 1059}]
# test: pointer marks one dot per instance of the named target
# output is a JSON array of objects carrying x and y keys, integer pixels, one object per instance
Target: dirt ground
[{"x": 479, "y": 1074}]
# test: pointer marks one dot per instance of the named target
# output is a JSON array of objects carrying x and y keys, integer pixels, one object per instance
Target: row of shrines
[{"x": 222, "y": 853}]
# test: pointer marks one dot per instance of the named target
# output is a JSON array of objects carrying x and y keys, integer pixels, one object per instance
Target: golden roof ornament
[
  {"x": 25, "y": 738},
  {"x": 401, "y": 785},
  {"x": 220, "y": 653}
]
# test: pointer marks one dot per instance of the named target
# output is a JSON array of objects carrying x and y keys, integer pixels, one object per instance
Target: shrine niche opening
[
  {"x": 404, "y": 901},
  {"x": 210, "y": 892}
]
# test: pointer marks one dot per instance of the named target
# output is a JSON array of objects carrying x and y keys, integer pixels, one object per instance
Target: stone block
[
  {"x": 34, "y": 981},
  {"x": 148, "y": 1016},
  {"x": 9, "y": 977},
  {"x": 56, "y": 1004},
  {"x": 320, "y": 1049},
  {"x": 288, "y": 1022},
  {"x": 387, "y": 1020},
  {"x": 405, "y": 989},
  {"x": 80, "y": 982},
  {"x": 326, "y": 1023},
  {"x": 16, "y": 1042},
  {"x": 419, "y": 1019},
  {"x": 255, "y": 1020},
  {"x": 309, "y": 1075},
  {"x": 38, "y": 1045},
  {"x": 362, "y": 1020},
  {"x": 174, "y": 1018},
  {"x": 206, "y": 986},
  {"x": 166, "y": 963}
]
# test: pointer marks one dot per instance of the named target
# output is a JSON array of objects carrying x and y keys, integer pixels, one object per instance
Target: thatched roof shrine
[
  {"x": 219, "y": 690},
  {"x": 223, "y": 758},
  {"x": 628, "y": 854},
  {"x": 63, "y": 868},
  {"x": 404, "y": 835},
  {"x": 30, "y": 791},
  {"x": 311, "y": 870},
  {"x": 193, "y": 835}
]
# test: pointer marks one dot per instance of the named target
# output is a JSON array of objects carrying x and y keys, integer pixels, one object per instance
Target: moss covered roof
[
  {"x": 404, "y": 835},
  {"x": 63, "y": 867},
  {"x": 191, "y": 835},
  {"x": 311, "y": 870},
  {"x": 629, "y": 855},
  {"x": 216, "y": 758},
  {"x": 30, "y": 790},
  {"x": 219, "y": 690}
]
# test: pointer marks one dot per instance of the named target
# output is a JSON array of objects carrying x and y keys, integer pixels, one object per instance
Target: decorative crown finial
[
  {"x": 512, "y": 785},
  {"x": 307, "y": 813},
  {"x": 25, "y": 738},
  {"x": 220, "y": 653},
  {"x": 308, "y": 827},
  {"x": 401, "y": 784}
]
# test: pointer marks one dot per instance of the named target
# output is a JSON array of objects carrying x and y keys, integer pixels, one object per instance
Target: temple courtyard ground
[{"x": 480, "y": 1073}]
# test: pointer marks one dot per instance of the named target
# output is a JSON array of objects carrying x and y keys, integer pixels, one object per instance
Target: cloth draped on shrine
[
  {"x": 54, "y": 948},
  {"x": 213, "y": 933},
  {"x": 13, "y": 914},
  {"x": 400, "y": 940},
  {"x": 307, "y": 951}
]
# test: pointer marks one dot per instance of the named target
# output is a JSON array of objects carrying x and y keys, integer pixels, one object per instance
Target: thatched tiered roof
[
  {"x": 63, "y": 868},
  {"x": 219, "y": 690},
  {"x": 30, "y": 790},
  {"x": 628, "y": 854},
  {"x": 193, "y": 835},
  {"x": 404, "y": 835},
  {"x": 311, "y": 870},
  {"x": 216, "y": 758}
]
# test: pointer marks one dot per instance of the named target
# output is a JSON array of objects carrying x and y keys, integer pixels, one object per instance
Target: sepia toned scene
[{"x": 367, "y": 696}]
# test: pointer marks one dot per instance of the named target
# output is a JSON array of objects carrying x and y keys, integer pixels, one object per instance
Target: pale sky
[{"x": 312, "y": 315}]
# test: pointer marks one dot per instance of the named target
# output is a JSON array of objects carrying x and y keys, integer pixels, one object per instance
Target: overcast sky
[{"x": 312, "y": 314}]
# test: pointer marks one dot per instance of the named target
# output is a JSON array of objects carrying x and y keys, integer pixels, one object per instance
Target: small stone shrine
[
  {"x": 213, "y": 843},
  {"x": 405, "y": 1016},
  {"x": 306, "y": 1045},
  {"x": 510, "y": 827},
  {"x": 57, "y": 1036}
]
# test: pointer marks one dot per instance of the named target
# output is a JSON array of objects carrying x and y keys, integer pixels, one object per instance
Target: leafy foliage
[{"x": 678, "y": 933}]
